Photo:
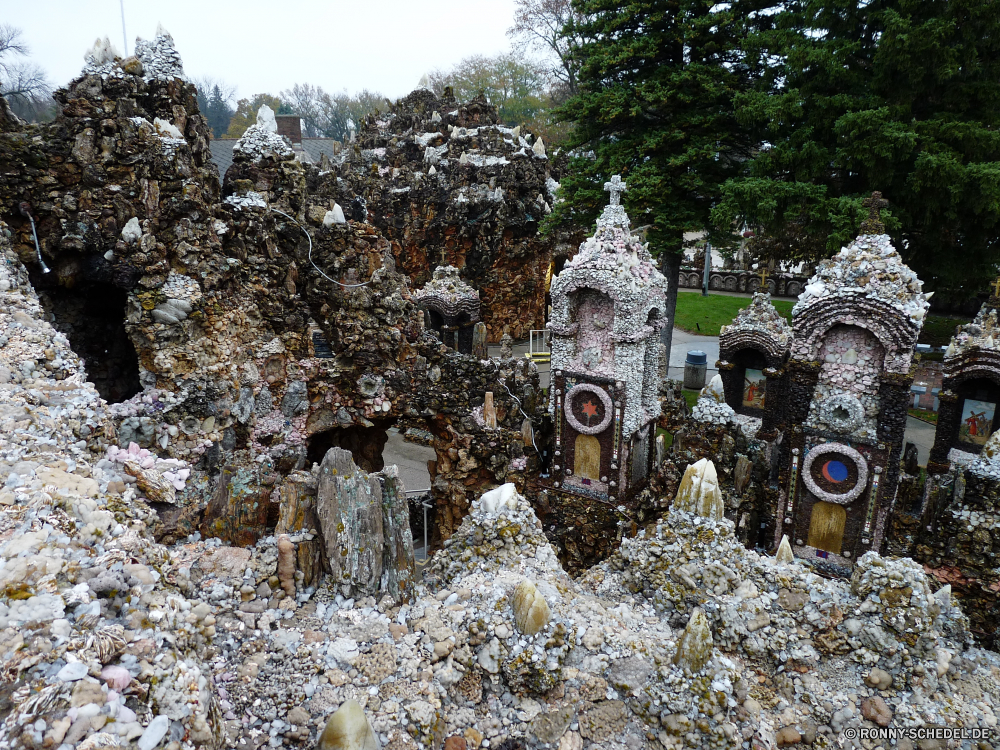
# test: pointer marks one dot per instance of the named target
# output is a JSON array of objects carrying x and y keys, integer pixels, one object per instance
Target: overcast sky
[{"x": 381, "y": 45}]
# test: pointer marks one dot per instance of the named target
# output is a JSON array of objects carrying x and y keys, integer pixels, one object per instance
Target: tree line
[{"x": 774, "y": 120}]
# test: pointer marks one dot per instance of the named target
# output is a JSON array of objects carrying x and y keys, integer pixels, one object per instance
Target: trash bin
[{"x": 695, "y": 369}]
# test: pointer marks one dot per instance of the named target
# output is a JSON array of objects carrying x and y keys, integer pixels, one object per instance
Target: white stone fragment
[
  {"x": 265, "y": 119},
  {"x": 72, "y": 672},
  {"x": 154, "y": 733},
  {"x": 334, "y": 216},
  {"x": 132, "y": 232},
  {"x": 699, "y": 491},
  {"x": 504, "y": 496},
  {"x": 167, "y": 129}
]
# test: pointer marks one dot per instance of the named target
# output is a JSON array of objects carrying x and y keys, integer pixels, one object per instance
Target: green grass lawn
[
  {"x": 691, "y": 397},
  {"x": 923, "y": 414},
  {"x": 706, "y": 315}
]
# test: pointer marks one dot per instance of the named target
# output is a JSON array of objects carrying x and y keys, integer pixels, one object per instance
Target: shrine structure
[
  {"x": 752, "y": 354},
  {"x": 850, "y": 369},
  {"x": 970, "y": 390},
  {"x": 451, "y": 308},
  {"x": 608, "y": 306}
]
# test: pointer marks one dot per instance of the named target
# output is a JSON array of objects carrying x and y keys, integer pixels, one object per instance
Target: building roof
[{"x": 222, "y": 151}]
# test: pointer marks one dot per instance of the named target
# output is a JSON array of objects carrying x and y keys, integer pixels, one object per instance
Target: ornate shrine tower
[
  {"x": 850, "y": 369},
  {"x": 607, "y": 312}
]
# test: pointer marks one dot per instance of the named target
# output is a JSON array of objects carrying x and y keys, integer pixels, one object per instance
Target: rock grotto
[{"x": 201, "y": 546}]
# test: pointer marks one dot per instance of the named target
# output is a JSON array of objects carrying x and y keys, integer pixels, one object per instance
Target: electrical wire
[
  {"x": 309, "y": 237},
  {"x": 38, "y": 250},
  {"x": 518, "y": 402}
]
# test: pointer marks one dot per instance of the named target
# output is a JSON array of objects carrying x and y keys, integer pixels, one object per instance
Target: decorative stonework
[
  {"x": 858, "y": 478},
  {"x": 605, "y": 416},
  {"x": 868, "y": 285},
  {"x": 608, "y": 306},
  {"x": 855, "y": 328},
  {"x": 840, "y": 412},
  {"x": 970, "y": 391},
  {"x": 753, "y": 350},
  {"x": 261, "y": 140},
  {"x": 448, "y": 294},
  {"x": 613, "y": 263},
  {"x": 758, "y": 325},
  {"x": 982, "y": 333}
]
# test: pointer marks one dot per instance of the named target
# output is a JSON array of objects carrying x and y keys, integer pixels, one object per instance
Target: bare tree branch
[
  {"x": 12, "y": 45},
  {"x": 546, "y": 26},
  {"x": 23, "y": 83}
]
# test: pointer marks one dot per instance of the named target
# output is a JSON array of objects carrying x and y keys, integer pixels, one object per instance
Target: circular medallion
[
  {"x": 842, "y": 413},
  {"x": 588, "y": 409},
  {"x": 835, "y": 473}
]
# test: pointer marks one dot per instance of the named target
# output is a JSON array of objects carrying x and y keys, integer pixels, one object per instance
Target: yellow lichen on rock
[{"x": 695, "y": 646}]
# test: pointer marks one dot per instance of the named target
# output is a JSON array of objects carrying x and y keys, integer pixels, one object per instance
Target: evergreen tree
[
  {"x": 655, "y": 84},
  {"x": 900, "y": 96},
  {"x": 214, "y": 97},
  {"x": 218, "y": 113}
]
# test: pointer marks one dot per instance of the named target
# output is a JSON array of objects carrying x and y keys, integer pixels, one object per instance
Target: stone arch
[
  {"x": 896, "y": 332},
  {"x": 366, "y": 444},
  {"x": 592, "y": 312}
]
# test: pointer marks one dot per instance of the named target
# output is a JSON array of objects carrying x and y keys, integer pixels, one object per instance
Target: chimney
[{"x": 290, "y": 126}]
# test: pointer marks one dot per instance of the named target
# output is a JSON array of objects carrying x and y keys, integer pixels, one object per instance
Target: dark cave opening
[
  {"x": 366, "y": 444},
  {"x": 91, "y": 314}
]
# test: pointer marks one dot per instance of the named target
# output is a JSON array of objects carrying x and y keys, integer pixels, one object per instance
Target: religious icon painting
[
  {"x": 754, "y": 386},
  {"x": 977, "y": 421}
]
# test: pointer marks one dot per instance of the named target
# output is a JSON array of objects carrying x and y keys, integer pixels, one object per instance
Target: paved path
[
  {"x": 682, "y": 342},
  {"x": 411, "y": 459},
  {"x": 921, "y": 434}
]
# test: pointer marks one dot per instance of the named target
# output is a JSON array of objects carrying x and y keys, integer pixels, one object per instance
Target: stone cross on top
[
  {"x": 873, "y": 224},
  {"x": 763, "y": 278},
  {"x": 616, "y": 187}
]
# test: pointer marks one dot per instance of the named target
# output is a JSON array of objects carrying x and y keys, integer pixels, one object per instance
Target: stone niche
[
  {"x": 607, "y": 311},
  {"x": 850, "y": 369},
  {"x": 451, "y": 308},
  {"x": 970, "y": 391},
  {"x": 753, "y": 350},
  {"x": 84, "y": 305}
]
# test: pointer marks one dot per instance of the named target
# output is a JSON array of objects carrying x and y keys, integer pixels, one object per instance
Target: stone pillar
[
  {"x": 947, "y": 428},
  {"x": 774, "y": 403},
  {"x": 803, "y": 377},
  {"x": 730, "y": 383},
  {"x": 489, "y": 411},
  {"x": 479, "y": 336},
  {"x": 349, "y": 508},
  {"x": 398, "y": 570},
  {"x": 894, "y": 397}
]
